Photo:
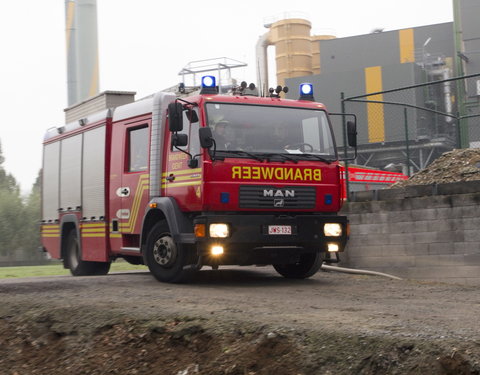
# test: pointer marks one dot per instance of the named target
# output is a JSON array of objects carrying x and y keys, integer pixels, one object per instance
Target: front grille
[{"x": 270, "y": 197}]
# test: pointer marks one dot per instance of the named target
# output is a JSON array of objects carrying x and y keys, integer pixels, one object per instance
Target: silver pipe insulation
[{"x": 262, "y": 63}]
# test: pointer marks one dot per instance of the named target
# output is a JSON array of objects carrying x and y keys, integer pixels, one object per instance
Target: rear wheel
[
  {"x": 77, "y": 266},
  {"x": 307, "y": 266},
  {"x": 164, "y": 258}
]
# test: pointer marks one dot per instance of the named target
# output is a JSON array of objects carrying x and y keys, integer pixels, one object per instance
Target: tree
[
  {"x": 31, "y": 238},
  {"x": 7, "y": 181},
  {"x": 11, "y": 212}
]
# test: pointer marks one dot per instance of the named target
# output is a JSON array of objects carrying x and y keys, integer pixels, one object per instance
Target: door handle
[
  {"x": 170, "y": 178},
  {"x": 123, "y": 192}
]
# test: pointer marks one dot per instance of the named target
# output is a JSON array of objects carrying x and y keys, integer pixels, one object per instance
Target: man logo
[
  {"x": 278, "y": 203},
  {"x": 279, "y": 193}
]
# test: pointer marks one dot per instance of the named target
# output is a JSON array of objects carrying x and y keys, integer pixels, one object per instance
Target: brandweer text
[{"x": 277, "y": 173}]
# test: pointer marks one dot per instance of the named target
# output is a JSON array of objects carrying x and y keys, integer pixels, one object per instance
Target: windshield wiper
[
  {"x": 318, "y": 157},
  {"x": 243, "y": 153},
  {"x": 269, "y": 155}
]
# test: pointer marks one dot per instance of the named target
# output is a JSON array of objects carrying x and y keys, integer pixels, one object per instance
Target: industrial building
[{"x": 399, "y": 129}]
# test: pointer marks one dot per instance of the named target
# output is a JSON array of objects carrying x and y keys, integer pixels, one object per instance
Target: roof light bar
[
  {"x": 306, "y": 92},
  {"x": 209, "y": 85}
]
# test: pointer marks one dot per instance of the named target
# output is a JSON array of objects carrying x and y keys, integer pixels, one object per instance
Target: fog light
[
  {"x": 216, "y": 250},
  {"x": 332, "y": 229},
  {"x": 219, "y": 230},
  {"x": 332, "y": 247}
]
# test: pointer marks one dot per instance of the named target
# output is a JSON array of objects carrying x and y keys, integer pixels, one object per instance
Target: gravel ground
[
  {"x": 237, "y": 321},
  {"x": 453, "y": 166}
]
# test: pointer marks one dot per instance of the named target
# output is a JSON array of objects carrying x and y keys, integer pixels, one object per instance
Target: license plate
[{"x": 280, "y": 229}]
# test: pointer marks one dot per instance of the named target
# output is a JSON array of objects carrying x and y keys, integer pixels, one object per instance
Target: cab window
[{"x": 138, "y": 149}]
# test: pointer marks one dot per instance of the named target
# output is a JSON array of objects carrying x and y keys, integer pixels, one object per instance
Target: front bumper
[{"x": 250, "y": 242}]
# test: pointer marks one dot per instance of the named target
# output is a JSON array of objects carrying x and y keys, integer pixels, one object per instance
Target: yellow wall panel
[
  {"x": 375, "y": 114},
  {"x": 407, "y": 45}
]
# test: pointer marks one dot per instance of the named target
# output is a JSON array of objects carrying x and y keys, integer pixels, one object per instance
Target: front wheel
[
  {"x": 164, "y": 258},
  {"x": 307, "y": 266},
  {"x": 74, "y": 262}
]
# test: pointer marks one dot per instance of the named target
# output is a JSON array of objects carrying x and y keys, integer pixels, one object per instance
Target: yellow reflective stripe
[
  {"x": 190, "y": 183},
  {"x": 143, "y": 185},
  {"x": 115, "y": 235},
  {"x": 183, "y": 178},
  {"x": 55, "y": 226},
  {"x": 93, "y": 225},
  {"x": 182, "y": 172},
  {"x": 407, "y": 45},
  {"x": 90, "y": 235},
  {"x": 50, "y": 231},
  {"x": 94, "y": 230},
  {"x": 376, "y": 119}
]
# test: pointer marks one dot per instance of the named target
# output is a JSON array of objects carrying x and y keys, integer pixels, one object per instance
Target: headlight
[
  {"x": 219, "y": 230},
  {"x": 332, "y": 230}
]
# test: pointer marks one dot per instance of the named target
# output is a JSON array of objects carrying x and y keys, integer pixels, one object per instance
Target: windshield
[{"x": 255, "y": 129}]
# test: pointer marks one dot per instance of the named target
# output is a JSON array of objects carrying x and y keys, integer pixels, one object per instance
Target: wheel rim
[{"x": 165, "y": 251}]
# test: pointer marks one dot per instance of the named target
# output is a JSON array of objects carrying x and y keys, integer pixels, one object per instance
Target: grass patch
[{"x": 57, "y": 270}]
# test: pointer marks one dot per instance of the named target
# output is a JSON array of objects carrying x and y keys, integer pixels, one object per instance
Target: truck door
[
  {"x": 179, "y": 180},
  {"x": 129, "y": 183}
]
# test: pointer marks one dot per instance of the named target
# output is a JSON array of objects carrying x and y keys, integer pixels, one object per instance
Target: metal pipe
[
  {"x": 407, "y": 141},
  {"x": 262, "y": 63}
]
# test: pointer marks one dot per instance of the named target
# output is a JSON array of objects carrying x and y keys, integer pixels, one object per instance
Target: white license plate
[{"x": 279, "y": 229}]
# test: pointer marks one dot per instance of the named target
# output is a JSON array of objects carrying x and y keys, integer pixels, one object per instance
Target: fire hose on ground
[{"x": 358, "y": 272}]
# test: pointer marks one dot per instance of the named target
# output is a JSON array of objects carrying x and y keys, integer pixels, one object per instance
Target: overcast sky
[{"x": 145, "y": 43}]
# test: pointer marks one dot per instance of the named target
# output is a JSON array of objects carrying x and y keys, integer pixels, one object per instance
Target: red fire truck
[{"x": 179, "y": 183}]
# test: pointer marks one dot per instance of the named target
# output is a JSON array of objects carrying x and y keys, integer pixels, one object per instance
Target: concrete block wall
[{"x": 429, "y": 232}]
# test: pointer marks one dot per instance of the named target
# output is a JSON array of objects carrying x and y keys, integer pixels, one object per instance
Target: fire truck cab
[{"x": 181, "y": 183}]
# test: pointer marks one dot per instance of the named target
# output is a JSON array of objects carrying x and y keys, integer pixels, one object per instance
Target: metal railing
[{"x": 406, "y": 128}]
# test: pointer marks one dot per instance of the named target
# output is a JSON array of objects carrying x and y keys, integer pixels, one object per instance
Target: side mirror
[
  {"x": 206, "y": 137},
  {"x": 352, "y": 133},
  {"x": 175, "y": 117},
  {"x": 192, "y": 116},
  {"x": 179, "y": 140}
]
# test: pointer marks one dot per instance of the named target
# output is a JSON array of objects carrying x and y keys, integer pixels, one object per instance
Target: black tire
[
  {"x": 308, "y": 266},
  {"x": 77, "y": 266},
  {"x": 136, "y": 261},
  {"x": 164, "y": 258}
]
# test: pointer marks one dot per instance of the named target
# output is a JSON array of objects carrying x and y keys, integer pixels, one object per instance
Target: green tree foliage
[
  {"x": 31, "y": 239},
  {"x": 19, "y": 232},
  {"x": 11, "y": 212}
]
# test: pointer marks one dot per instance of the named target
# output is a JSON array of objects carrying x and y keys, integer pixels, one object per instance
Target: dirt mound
[
  {"x": 50, "y": 343},
  {"x": 452, "y": 166}
]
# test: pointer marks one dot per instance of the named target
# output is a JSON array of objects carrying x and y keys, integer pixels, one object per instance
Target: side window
[
  {"x": 186, "y": 127},
  {"x": 194, "y": 139},
  {"x": 138, "y": 149},
  {"x": 190, "y": 129}
]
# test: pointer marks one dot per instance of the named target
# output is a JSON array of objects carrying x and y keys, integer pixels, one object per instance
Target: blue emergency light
[
  {"x": 208, "y": 81},
  {"x": 306, "y": 92},
  {"x": 209, "y": 85}
]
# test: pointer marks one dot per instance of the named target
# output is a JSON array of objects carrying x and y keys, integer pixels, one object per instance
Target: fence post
[
  {"x": 407, "y": 140},
  {"x": 345, "y": 147},
  {"x": 459, "y": 131}
]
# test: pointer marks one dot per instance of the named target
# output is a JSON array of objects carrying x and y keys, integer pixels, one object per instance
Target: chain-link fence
[{"x": 405, "y": 129}]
